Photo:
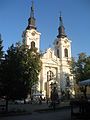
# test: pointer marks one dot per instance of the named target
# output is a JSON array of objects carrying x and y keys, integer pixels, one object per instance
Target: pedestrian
[
  {"x": 54, "y": 98},
  {"x": 40, "y": 100},
  {"x": 31, "y": 99}
]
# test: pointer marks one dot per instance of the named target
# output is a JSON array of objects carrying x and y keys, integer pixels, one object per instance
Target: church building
[{"x": 55, "y": 61}]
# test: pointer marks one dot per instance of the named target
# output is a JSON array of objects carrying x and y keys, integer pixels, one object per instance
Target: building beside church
[{"x": 55, "y": 61}]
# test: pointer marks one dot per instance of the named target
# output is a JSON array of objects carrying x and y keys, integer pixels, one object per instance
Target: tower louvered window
[
  {"x": 32, "y": 44},
  {"x": 58, "y": 53},
  {"x": 66, "y": 52}
]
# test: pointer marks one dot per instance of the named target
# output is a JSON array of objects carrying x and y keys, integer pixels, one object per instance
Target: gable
[
  {"x": 51, "y": 61},
  {"x": 49, "y": 54},
  {"x": 49, "y": 57}
]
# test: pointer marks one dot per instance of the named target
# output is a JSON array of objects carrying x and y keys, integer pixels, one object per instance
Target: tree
[
  {"x": 32, "y": 65},
  {"x": 1, "y": 56},
  {"x": 81, "y": 69},
  {"x": 20, "y": 70},
  {"x": 11, "y": 76},
  {"x": 87, "y": 68},
  {"x": 1, "y": 47}
]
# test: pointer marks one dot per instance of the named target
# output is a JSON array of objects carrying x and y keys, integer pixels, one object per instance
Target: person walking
[{"x": 54, "y": 98}]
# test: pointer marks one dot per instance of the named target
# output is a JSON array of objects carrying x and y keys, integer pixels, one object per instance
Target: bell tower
[
  {"x": 31, "y": 37},
  {"x": 62, "y": 43},
  {"x": 63, "y": 52}
]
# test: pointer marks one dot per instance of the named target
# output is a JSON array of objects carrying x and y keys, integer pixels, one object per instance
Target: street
[{"x": 63, "y": 114}]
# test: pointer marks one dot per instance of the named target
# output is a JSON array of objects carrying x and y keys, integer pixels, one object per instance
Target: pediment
[
  {"x": 49, "y": 53},
  {"x": 49, "y": 57},
  {"x": 51, "y": 61}
]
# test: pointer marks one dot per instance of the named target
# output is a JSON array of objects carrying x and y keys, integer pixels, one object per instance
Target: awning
[{"x": 84, "y": 82}]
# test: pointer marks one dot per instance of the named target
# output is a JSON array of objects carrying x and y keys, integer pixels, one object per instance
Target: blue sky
[{"x": 14, "y": 16}]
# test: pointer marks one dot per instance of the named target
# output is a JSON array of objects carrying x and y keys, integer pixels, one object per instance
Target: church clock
[{"x": 33, "y": 33}]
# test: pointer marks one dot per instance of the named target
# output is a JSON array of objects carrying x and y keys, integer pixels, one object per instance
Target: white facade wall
[
  {"x": 58, "y": 65},
  {"x": 32, "y": 35}
]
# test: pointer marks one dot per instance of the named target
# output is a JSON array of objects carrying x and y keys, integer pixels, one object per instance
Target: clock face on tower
[{"x": 33, "y": 33}]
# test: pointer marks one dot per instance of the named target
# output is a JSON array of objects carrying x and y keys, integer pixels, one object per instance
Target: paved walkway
[
  {"x": 58, "y": 115},
  {"x": 63, "y": 114},
  {"x": 35, "y": 107}
]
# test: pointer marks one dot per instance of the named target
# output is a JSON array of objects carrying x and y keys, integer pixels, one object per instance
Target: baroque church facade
[{"x": 55, "y": 61}]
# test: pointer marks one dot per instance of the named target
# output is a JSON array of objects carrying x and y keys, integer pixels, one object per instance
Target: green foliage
[
  {"x": 20, "y": 70},
  {"x": 1, "y": 56},
  {"x": 87, "y": 68},
  {"x": 32, "y": 65},
  {"x": 1, "y": 47},
  {"x": 81, "y": 67}
]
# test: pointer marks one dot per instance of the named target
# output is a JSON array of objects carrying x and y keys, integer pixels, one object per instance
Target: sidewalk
[
  {"x": 45, "y": 107},
  {"x": 24, "y": 109},
  {"x": 36, "y": 107}
]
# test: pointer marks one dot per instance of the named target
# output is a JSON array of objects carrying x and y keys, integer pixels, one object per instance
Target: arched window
[
  {"x": 58, "y": 53},
  {"x": 32, "y": 44},
  {"x": 66, "y": 52}
]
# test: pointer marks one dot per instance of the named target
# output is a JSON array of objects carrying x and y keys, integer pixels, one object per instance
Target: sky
[{"x": 14, "y": 16}]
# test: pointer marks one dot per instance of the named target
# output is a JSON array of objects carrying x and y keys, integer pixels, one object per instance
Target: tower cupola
[
  {"x": 31, "y": 20},
  {"x": 61, "y": 29}
]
